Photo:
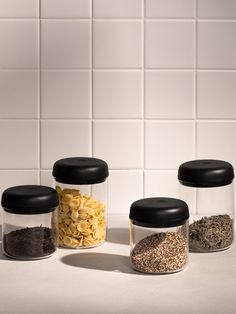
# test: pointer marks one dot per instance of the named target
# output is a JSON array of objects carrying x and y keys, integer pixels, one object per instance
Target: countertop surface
[{"x": 100, "y": 280}]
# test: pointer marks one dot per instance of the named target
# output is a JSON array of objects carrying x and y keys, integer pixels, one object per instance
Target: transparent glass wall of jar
[
  {"x": 82, "y": 220},
  {"x": 211, "y": 204},
  {"x": 81, "y": 183},
  {"x": 159, "y": 235},
  {"x": 29, "y": 229},
  {"x": 159, "y": 250},
  {"x": 29, "y": 237}
]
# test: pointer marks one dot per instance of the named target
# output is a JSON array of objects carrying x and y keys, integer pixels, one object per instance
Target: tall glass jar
[
  {"x": 159, "y": 235},
  {"x": 82, "y": 188},
  {"x": 29, "y": 222},
  {"x": 207, "y": 187}
]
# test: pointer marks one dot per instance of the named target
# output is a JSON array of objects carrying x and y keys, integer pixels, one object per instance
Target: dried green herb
[{"x": 211, "y": 233}]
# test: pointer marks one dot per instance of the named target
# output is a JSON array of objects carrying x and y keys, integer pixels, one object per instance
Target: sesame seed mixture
[{"x": 162, "y": 252}]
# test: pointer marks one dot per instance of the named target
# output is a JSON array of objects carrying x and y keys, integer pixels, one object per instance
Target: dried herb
[
  {"x": 211, "y": 233},
  {"x": 160, "y": 253},
  {"x": 30, "y": 243}
]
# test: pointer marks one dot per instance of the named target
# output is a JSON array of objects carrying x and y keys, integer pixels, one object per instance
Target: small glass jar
[
  {"x": 207, "y": 187},
  {"x": 159, "y": 235},
  {"x": 82, "y": 188},
  {"x": 29, "y": 222}
]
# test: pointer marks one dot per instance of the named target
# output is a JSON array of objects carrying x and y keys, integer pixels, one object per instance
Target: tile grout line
[
  {"x": 40, "y": 92},
  {"x": 143, "y": 95},
  {"x": 91, "y": 81},
  {"x": 195, "y": 78}
]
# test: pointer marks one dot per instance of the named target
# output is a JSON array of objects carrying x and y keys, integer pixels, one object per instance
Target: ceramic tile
[
  {"x": 66, "y": 94},
  {"x": 169, "y": 44},
  {"x": 216, "y": 140},
  {"x": 19, "y": 144},
  {"x": 169, "y": 95},
  {"x": 65, "y": 8},
  {"x": 61, "y": 139},
  {"x": 217, "y": 9},
  {"x": 161, "y": 184},
  {"x": 117, "y": 94},
  {"x": 170, "y": 8},
  {"x": 117, "y": 44},
  {"x": 168, "y": 144},
  {"x": 16, "y": 8},
  {"x": 19, "y": 94},
  {"x": 216, "y": 95},
  {"x": 19, "y": 44},
  {"x": 119, "y": 143},
  {"x": 65, "y": 44},
  {"x": 117, "y": 8},
  {"x": 125, "y": 187},
  {"x": 216, "y": 45}
]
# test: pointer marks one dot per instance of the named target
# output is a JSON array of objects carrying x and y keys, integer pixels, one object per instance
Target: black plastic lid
[
  {"x": 29, "y": 199},
  {"x": 80, "y": 170},
  {"x": 159, "y": 212},
  {"x": 206, "y": 173}
]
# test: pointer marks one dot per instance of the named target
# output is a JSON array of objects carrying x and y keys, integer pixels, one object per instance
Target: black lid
[
  {"x": 80, "y": 170},
  {"x": 29, "y": 199},
  {"x": 159, "y": 212},
  {"x": 206, "y": 173}
]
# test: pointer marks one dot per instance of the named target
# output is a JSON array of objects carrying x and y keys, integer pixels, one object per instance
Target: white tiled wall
[{"x": 143, "y": 84}]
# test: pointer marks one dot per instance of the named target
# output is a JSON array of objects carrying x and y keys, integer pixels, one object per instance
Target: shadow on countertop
[
  {"x": 118, "y": 235},
  {"x": 100, "y": 261}
]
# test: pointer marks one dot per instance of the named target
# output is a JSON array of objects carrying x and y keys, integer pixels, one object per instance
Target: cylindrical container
[
  {"x": 82, "y": 187},
  {"x": 29, "y": 221},
  {"x": 159, "y": 235},
  {"x": 207, "y": 187}
]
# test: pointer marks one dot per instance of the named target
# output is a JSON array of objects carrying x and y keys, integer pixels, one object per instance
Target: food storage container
[
  {"x": 159, "y": 235},
  {"x": 207, "y": 187},
  {"x": 81, "y": 183},
  {"x": 29, "y": 221}
]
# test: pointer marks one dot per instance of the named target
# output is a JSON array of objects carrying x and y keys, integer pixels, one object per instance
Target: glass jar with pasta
[{"x": 81, "y": 183}]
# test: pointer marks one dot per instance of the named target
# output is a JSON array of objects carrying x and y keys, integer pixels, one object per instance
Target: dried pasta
[{"x": 82, "y": 220}]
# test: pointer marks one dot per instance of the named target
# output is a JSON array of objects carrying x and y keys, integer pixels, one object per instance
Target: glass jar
[
  {"x": 29, "y": 222},
  {"x": 159, "y": 235},
  {"x": 207, "y": 187},
  {"x": 82, "y": 188}
]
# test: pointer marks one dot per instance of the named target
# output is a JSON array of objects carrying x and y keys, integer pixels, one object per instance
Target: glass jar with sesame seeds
[
  {"x": 82, "y": 188},
  {"x": 159, "y": 235}
]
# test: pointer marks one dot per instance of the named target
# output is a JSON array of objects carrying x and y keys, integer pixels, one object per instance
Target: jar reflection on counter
[
  {"x": 82, "y": 188},
  {"x": 159, "y": 235},
  {"x": 207, "y": 187}
]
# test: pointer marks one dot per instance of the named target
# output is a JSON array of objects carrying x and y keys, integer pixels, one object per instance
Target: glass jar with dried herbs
[
  {"x": 207, "y": 187},
  {"x": 159, "y": 235}
]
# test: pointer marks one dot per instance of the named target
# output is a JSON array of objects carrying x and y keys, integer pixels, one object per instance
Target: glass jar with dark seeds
[
  {"x": 207, "y": 187},
  {"x": 29, "y": 228},
  {"x": 159, "y": 235}
]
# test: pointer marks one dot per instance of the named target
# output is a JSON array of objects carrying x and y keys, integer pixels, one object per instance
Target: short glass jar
[
  {"x": 159, "y": 235},
  {"x": 207, "y": 187},
  {"x": 82, "y": 188},
  {"x": 29, "y": 221}
]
